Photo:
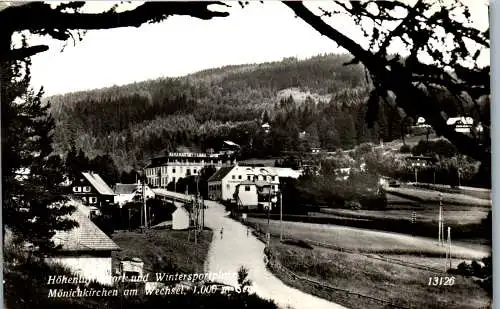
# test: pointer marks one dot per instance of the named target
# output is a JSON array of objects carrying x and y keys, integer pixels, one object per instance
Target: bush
[
  {"x": 299, "y": 243},
  {"x": 405, "y": 149},
  {"x": 354, "y": 205}
]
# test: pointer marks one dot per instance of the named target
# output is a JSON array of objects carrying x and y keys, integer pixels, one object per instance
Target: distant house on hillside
[
  {"x": 421, "y": 161},
  {"x": 85, "y": 250},
  {"x": 129, "y": 192},
  {"x": 266, "y": 127},
  {"x": 461, "y": 124},
  {"x": 229, "y": 147},
  {"x": 92, "y": 190},
  {"x": 315, "y": 150}
]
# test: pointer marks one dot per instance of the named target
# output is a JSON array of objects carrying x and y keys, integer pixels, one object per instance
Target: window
[
  {"x": 233, "y": 177},
  {"x": 249, "y": 177},
  {"x": 77, "y": 189},
  {"x": 194, "y": 171},
  {"x": 86, "y": 189},
  {"x": 274, "y": 178},
  {"x": 228, "y": 186},
  {"x": 247, "y": 188},
  {"x": 239, "y": 176},
  {"x": 92, "y": 200},
  {"x": 173, "y": 171}
]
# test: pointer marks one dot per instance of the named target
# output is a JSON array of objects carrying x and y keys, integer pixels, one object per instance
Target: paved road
[{"x": 236, "y": 249}]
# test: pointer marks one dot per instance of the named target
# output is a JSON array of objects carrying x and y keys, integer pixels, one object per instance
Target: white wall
[
  {"x": 244, "y": 172},
  {"x": 98, "y": 268},
  {"x": 248, "y": 198},
  {"x": 180, "y": 219}
]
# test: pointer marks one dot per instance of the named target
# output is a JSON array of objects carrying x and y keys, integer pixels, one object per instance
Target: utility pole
[
  {"x": 416, "y": 177},
  {"x": 281, "y": 217},
  {"x": 144, "y": 204},
  {"x": 449, "y": 246}
]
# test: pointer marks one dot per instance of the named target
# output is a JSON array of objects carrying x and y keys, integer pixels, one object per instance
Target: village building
[
  {"x": 176, "y": 165},
  {"x": 85, "y": 249},
  {"x": 92, "y": 190},
  {"x": 266, "y": 127},
  {"x": 229, "y": 148},
  {"x": 222, "y": 185},
  {"x": 126, "y": 193},
  {"x": 420, "y": 161},
  {"x": 461, "y": 124},
  {"x": 180, "y": 218},
  {"x": 251, "y": 195}
]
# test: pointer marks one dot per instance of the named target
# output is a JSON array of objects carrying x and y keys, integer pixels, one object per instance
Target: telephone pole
[
  {"x": 449, "y": 246},
  {"x": 440, "y": 221},
  {"x": 281, "y": 217},
  {"x": 144, "y": 204}
]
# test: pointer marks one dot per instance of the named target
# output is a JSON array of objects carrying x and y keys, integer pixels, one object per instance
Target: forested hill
[{"x": 320, "y": 96}]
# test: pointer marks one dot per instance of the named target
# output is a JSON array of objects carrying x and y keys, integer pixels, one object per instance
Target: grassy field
[
  {"x": 165, "y": 250},
  {"x": 400, "y": 285},
  {"x": 481, "y": 193},
  {"x": 453, "y": 215},
  {"x": 369, "y": 241},
  {"x": 433, "y": 196}
]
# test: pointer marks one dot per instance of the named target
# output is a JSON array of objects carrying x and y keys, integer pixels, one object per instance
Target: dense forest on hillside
[{"x": 131, "y": 123}]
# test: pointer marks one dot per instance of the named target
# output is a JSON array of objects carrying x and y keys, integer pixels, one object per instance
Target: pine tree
[{"x": 33, "y": 196}]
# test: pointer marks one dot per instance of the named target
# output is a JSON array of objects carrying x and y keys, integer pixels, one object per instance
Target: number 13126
[{"x": 441, "y": 281}]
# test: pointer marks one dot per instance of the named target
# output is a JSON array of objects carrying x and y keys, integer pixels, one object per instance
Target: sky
[{"x": 181, "y": 45}]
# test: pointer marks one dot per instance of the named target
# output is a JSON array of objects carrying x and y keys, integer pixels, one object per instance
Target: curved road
[{"x": 236, "y": 249}]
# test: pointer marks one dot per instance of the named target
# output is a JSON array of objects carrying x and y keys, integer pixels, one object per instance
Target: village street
[{"x": 236, "y": 249}]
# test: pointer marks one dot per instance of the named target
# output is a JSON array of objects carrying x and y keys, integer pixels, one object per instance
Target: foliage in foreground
[{"x": 26, "y": 287}]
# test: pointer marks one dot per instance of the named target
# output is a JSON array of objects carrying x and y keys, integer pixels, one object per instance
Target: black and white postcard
[{"x": 246, "y": 154}]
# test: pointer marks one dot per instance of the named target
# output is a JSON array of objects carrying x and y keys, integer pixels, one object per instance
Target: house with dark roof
[
  {"x": 85, "y": 250},
  {"x": 92, "y": 190},
  {"x": 126, "y": 192}
]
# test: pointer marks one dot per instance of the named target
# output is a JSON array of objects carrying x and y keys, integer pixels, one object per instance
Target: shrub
[
  {"x": 299, "y": 243},
  {"x": 353, "y": 204},
  {"x": 405, "y": 149}
]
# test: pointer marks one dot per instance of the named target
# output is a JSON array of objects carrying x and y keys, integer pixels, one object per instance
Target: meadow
[{"x": 358, "y": 281}]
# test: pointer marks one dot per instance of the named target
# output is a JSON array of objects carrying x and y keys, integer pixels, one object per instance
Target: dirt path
[{"x": 235, "y": 248}]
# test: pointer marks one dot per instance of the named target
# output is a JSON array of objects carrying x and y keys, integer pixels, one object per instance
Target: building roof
[
  {"x": 100, "y": 185},
  {"x": 287, "y": 172},
  {"x": 229, "y": 143},
  {"x": 221, "y": 173},
  {"x": 258, "y": 183},
  {"x": 86, "y": 237},
  {"x": 125, "y": 188},
  {"x": 460, "y": 120}
]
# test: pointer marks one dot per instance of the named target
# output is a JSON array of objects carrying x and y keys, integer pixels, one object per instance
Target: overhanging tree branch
[
  {"x": 391, "y": 76},
  {"x": 41, "y": 18}
]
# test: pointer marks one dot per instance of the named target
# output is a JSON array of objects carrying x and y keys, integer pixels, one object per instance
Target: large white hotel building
[{"x": 176, "y": 165}]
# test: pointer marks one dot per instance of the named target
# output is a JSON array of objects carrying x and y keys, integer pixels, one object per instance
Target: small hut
[{"x": 180, "y": 219}]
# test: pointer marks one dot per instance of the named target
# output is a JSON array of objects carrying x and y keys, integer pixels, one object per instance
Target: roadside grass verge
[
  {"x": 390, "y": 283},
  {"x": 165, "y": 250}
]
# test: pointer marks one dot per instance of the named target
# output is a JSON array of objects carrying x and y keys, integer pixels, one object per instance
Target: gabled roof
[
  {"x": 125, "y": 188},
  {"x": 100, "y": 185},
  {"x": 86, "y": 237},
  {"x": 229, "y": 143},
  {"x": 221, "y": 173}
]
